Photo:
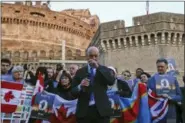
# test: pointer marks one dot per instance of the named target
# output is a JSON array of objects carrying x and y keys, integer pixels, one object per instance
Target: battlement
[
  {"x": 159, "y": 17},
  {"x": 109, "y": 29},
  {"x": 158, "y": 29}
]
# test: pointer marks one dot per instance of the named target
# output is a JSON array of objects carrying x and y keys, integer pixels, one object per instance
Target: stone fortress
[
  {"x": 151, "y": 37},
  {"x": 33, "y": 33}
]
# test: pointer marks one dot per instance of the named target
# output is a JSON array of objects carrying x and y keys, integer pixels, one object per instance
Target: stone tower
[{"x": 151, "y": 37}]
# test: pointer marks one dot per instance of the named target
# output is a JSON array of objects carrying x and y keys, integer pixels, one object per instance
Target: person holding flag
[
  {"x": 166, "y": 86},
  {"x": 121, "y": 87}
]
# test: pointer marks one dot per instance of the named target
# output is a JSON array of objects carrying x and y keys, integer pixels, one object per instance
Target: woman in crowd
[
  {"x": 28, "y": 75},
  {"x": 50, "y": 83},
  {"x": 17, "y": 74},
  {"x": 43, "y": 71},
  {"x": 64, "y": 86},
  {"x": 127, "y": 77},
  {"x": 59, "y": 67},
  {"x": 144, "y": 77},
  {"x": 64, "y": 91}
]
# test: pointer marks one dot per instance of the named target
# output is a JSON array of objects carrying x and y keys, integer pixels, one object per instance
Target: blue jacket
[{"x": 152, "y": 86}]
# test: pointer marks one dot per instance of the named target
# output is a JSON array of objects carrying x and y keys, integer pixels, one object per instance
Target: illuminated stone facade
[{"x": 34, "y": 32}]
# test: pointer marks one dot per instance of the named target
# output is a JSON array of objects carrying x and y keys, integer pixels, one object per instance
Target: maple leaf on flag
[{"x": 8, "y": 96}]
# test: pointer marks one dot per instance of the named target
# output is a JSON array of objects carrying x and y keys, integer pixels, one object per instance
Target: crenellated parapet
[{"x": 114, "y": 35}]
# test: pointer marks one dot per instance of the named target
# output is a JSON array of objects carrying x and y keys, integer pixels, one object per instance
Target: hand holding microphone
[
  {"x": 84, "y": 84},
  {"x": 93, "y": 63}
]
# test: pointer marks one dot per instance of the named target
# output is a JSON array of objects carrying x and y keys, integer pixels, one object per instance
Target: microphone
[{"x": 84, "y": 88}]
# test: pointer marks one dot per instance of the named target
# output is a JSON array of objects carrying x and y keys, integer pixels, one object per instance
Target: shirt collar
[{"x": 89, "y": 68}]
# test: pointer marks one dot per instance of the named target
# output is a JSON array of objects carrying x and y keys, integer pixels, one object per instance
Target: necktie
[
  {"x": 91, "y": 81},
  {"x": 92, "y": 76}
]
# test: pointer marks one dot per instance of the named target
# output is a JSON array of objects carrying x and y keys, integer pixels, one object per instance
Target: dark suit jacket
[
  {"x": 102, "y": 79},
  {"x": 183, "y": 103},
  {"x": 123, "y": 89}
]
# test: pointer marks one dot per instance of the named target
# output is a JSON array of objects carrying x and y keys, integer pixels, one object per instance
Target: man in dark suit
[
  {"x": 183, "y": 103},
  {"x": 90, "y": 85}
]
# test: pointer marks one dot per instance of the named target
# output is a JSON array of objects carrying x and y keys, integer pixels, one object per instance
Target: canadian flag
[
  {"x": 10, "y": 95},
  {"x": 39, "y": 86},
  {"x": 64, "y": 111}
]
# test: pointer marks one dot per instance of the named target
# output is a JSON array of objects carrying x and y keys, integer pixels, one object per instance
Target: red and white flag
[
  {"x": 39, "y": 87},
  {"x": 10, "y": 96},
  {"x": 64, "y": 110}
]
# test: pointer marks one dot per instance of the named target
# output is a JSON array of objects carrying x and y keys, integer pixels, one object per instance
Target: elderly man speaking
[{"x": 90, "y": 84}]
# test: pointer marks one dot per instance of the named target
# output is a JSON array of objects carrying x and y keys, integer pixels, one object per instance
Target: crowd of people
[{"x": 90, "y": 83}]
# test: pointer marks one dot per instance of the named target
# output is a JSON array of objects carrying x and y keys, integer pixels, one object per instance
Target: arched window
[
  {"x": 146, "y": 42},
  {"x": 59, "y": 54},
  {"x": 105, "y": 44},
  {"x": 25, "y": 55},
  {"x": 133, "y": 40},
  {"x": 34, "y": 54},
  {"x": 152, "y": 38},
  {"x": 42, "y": 53},
  {"x": 9, "y": 54},
  {"x": 128, "y": 41},
  {"x": 159, "y": 36},
  {"x": 139, "y": 41},
  {"x": 51, "y": 54},
  {"x": 16, "y": 54},
  {"x": 78, "y": 52},
  {"x": 69, "y": 53}
]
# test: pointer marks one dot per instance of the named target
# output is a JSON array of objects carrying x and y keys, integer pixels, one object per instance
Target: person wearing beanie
[{"x": 120, "y": 85}]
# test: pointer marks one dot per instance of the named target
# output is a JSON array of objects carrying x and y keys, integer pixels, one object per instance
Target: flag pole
[
  {"x": 63, "y": 51},
  {"x": 147, "y": 7}
]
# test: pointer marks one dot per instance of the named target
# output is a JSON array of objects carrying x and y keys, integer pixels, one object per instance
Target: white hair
[
  {"x": 17, "y": 68},
  {"x": 76, "y": 66},
  {"x": 112, "y": 68},
  {"x": 90, "y": 49}
]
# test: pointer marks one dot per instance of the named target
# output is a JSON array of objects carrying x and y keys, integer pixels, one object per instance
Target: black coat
[
  {"x": 123, "y": 89},
  {"x": 183, "y": 103},
  {"x": 49, "y": 86},
  {"x": 180, "y": 109},
  {"x": 65, "y": 93},
  {"x": 102, "y": 79}
]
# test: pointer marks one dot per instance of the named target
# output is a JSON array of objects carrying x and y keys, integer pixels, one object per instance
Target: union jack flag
[{"x": 158, "y": 106}]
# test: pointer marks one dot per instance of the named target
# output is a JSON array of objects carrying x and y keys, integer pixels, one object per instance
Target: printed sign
[
  {"x": 165, "y": 84},
  {"x": 115, "y": 104},
  {"x": 42, "y": 108},
  {"x": 172, "y": 68},
  {"x": 171, "y": 64}
]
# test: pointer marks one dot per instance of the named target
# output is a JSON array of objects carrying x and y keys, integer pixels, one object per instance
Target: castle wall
[
  {"x": 32, "y": 33},
  {"x": 145, "y": 57}
]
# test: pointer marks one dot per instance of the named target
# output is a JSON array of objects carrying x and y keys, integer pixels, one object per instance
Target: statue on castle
[{"x": 84, "y": 15}]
